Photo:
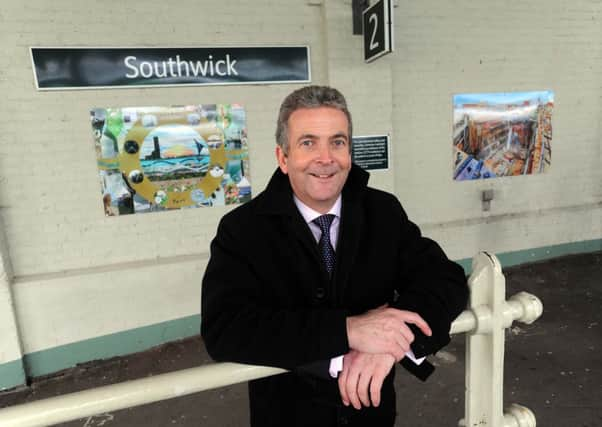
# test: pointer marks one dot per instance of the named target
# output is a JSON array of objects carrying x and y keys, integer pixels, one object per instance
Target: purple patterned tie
[{"x": 326, "y": 249}]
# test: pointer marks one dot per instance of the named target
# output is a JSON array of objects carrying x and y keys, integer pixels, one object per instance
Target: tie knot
[{"x": 324, "y": 222}]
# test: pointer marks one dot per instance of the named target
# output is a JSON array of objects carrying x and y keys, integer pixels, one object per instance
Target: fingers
[
  {"x": 415, "y": 319},
  {"x": 397, "y": 349},
  {"x": 362, "y": 378},
  {"x": 383, "y": 328},
  {"x": 375, "y": 386},
  {"x": 351, "y": 385},
  {"x": 407, "y": 337},
  {"x": 354, "y": 380},
  {"x": 400, "y": 335},
  {"x": 400, "y": 339},
  {"x": 375, "y": 392},
  {"x": 343, "y": 385},
  {"x": 363, "y": 386}
]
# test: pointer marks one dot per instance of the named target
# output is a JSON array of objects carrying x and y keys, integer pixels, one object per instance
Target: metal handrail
[{"x": 485, "y": 320}]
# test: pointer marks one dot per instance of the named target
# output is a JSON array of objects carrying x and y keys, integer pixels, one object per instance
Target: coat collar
[{"x": 277, "y": 198}]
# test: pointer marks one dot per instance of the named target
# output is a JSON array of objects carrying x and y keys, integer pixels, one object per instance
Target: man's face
[{"x": 319, "y": 155}]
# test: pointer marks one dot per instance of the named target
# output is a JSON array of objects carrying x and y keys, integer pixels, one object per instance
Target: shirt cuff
[
  {"x": 336, "y": 366},
  {"x": 417, "y": 361}
]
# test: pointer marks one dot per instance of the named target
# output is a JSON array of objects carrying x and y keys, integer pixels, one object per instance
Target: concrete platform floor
[{"x": 554, "y": 367}]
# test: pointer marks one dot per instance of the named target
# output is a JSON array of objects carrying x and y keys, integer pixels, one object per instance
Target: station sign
[
  {"x": 58, "y": 68},
  {"x": 378, "y": 30}
]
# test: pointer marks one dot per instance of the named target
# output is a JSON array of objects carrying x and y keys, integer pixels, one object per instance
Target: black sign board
[
  {"x": 378, "y": 30},
  {"x": 371, "y": 152},
  {"x": 87, "y": 68}
]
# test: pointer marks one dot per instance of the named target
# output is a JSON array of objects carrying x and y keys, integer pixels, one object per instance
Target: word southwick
[{"x": 180, "y": 68}]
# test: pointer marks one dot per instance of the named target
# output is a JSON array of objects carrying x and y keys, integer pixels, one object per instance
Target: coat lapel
[
  {"x": 352, "y": 219},
  {"x": 300, "y": 230},
  {"x": 352, "y": 222},
  {"x": 277, "y": 201}
]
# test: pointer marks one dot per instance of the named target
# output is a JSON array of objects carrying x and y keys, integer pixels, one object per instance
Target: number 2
[{"x": 373, "y": 44}]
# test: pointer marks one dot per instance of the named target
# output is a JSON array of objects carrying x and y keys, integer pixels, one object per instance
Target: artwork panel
[
  {"x": 167, "y": 158},
  {"x": 501, "y": 134}
]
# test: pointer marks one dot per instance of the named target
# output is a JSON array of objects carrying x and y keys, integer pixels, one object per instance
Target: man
[{"x": 320, "y": 266}]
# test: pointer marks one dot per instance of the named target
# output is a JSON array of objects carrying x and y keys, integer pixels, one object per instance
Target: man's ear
[{"x": 282, "y": 159}]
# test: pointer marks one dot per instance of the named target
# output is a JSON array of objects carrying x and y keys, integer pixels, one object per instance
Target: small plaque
[{"x": 371, "y": 152}]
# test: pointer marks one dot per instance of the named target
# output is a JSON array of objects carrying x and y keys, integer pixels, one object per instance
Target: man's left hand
[{"x": 362, "y": 377}]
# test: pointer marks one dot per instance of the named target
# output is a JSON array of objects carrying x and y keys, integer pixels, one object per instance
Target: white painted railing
[{"x": 484, "y": 324}]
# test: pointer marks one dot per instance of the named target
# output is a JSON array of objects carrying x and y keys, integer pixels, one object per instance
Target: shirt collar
[{"x": 309, "y": 214}]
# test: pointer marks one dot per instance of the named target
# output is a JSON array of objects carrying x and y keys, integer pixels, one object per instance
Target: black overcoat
[{"x": 267, "y": 298}]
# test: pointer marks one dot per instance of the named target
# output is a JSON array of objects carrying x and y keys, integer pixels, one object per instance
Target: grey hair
[{"x": 309, "y": 97}]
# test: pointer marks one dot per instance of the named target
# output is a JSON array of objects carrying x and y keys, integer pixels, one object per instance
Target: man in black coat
[{"x": 319, "y": 271}]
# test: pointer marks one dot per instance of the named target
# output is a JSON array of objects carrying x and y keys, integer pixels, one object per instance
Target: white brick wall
[
  {"x": 10, "y": 343},
  {"x": 49, "y": 190},
  {"x": 496, "y": 47},
  {"x": 49, "y": 186},
  {"x": 53, "y": 213}
]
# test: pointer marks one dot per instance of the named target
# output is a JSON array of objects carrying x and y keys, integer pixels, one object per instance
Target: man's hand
[
  {"x": 362, "y": 377},
  {"x": 384, "y": 330}
]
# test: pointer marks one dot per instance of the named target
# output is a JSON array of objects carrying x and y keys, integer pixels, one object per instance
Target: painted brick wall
[
  {"x": 61, "y": 245},
  {"x": 446, "y": 48},
  {"x": 459, "y": 47},
  {"x": 50, "y": 190}
]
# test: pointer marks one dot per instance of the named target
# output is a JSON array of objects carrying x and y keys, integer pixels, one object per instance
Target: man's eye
[
  {"x": 307, "y": 142},
  {"x": 339, "y": 142}
]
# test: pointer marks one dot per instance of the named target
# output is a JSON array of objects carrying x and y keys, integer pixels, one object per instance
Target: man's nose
[{"x": 324, "y": 154}]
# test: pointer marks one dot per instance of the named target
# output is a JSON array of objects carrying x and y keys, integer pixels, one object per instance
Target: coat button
[
  {"x": 320, "y": 293},
  {"x": 343, "y": 421}
]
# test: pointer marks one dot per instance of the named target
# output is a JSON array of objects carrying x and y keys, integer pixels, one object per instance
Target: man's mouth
[{"x": 322, "y": 175}]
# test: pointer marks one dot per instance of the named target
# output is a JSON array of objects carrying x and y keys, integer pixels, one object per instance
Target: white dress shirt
[{"x": 308, "y": 214}]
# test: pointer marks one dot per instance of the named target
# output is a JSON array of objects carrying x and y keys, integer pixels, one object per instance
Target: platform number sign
[{"x": 378, "y": 30}]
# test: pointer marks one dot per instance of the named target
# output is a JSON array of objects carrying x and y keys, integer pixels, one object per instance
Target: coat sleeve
[
  {"x": 239, "y": 325},
  {"x": 430, "y": 284}
]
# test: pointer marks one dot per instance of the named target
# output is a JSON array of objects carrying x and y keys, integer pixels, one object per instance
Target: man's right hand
[{"x": 384, "y": 330}]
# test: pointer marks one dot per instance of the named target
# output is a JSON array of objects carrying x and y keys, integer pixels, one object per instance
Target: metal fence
[{"x": 489, "y": 314}]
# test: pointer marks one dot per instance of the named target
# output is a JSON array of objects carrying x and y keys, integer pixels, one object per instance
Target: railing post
[{"x": 485, "y": 350}]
